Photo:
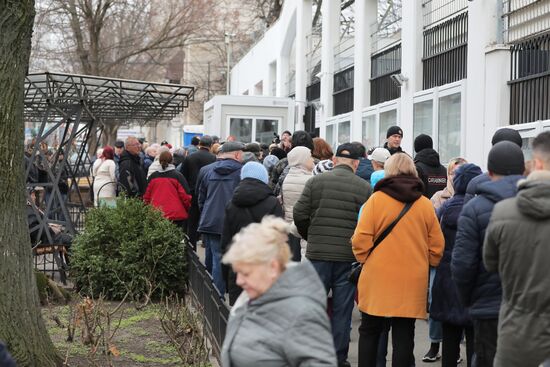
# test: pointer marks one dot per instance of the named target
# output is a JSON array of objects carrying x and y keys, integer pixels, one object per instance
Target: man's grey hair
[{"x": 129, "y": 141}]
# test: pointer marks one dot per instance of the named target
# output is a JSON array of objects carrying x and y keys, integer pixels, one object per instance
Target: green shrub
[{"x": 129, "y": 248}]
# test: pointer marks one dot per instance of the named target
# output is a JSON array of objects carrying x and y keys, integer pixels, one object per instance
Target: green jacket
[
  {"x": 517, "y": 247},
  {"x": 326, "y": 213}
]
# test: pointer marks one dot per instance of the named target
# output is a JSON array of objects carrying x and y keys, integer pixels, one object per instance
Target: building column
[
  {"x": 411, "y": 67},
  {"x": 330, "y": 10},
  {"x": 487, "y": 93},
  {"x": 303, "y": 29},
  {"x": 365, "y": 15},
  {"x": 282, "y": 74}
]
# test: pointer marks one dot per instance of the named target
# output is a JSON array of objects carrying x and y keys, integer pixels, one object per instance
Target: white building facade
[{"x": 454, "y": 69}]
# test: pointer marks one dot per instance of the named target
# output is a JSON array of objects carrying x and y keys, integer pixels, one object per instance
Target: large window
[
  {"x": 369, "y": 131},
  {"x": 423, "y": 118},
  {"x": 387, "y": 119},
  {"x": 253, "y": 129},
  {"x": 449, "y": 126},
  {"x": 338, "y": 131}
]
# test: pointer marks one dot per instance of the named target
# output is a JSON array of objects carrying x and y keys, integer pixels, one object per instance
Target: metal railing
[
  {"x": 525, "y": 18},
  {"x": 530, "y": 80},
  {"x": 434, "y": 11},
  {"x": 383, "y": 66},
  {"x": 445, "y": 52},
  {"x": 343, "y": 91},
  {"x": 209, "y": 300}
]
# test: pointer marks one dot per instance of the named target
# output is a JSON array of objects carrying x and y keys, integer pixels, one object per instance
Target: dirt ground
[{"x": 139, "y": 340}]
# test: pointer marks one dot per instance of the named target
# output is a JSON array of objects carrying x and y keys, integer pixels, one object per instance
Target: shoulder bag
[{"x": 356, "y": 267}]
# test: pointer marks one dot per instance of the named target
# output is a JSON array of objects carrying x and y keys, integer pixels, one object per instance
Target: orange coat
[{"x": 394, "y": 279}]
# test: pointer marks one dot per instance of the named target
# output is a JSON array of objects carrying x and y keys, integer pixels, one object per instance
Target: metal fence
[
  {"x": 445, "y": 52},
  {"x": 343, "y": 91},
  {"x": 530, "y": 80},
  {"x": 208, "y": 300},
  {"x": 383, "y": 66}
]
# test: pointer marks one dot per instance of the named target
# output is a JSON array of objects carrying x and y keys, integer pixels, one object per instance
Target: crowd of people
[{"x": 296, "y": 234}]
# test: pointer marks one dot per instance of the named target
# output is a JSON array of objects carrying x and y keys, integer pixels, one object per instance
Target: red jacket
[{"x": 167, "y": 191}]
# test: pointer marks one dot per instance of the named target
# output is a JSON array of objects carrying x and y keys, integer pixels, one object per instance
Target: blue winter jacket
[
  {"x": 215, "y": 185},
  {"x": 364, "y": 170},
  {"x": 446, "y": 305},
  {"x": 472, "y": 186},
  {"x": 478, "y": 289}
]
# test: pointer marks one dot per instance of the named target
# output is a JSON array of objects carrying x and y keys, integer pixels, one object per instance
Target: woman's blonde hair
[
  {"x": 400, "y": 164},
  {"x": 260, "y": 243},
  {"x": 453, "y": 162}
]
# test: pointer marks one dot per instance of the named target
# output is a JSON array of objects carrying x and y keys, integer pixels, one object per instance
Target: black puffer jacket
[
  {"x": 430, "y": 171},
  {"x": 251, "y": 201}
]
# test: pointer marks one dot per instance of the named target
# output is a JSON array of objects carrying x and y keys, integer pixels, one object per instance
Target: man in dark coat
[
  {"x": 253, "y": 199},
  {"x": 504, "y": 134},
  {"x": 214, "y": 187},
  {"x": 326, "y": 216},
  {"x": 190, "y": 170},
  {"x": 394, "y": 135},
  {"x": 132, "y": 177},
  {"x": 479, "y": 290},
  {"x": 517, "y": 248},
  {"x": 430, "y": 170}
]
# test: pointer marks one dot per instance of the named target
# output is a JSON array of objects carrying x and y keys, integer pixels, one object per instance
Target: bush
[{"x": 129, "y": 248}]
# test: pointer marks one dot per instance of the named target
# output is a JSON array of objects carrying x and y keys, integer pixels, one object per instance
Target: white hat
[{"x": 380, "y": 155}]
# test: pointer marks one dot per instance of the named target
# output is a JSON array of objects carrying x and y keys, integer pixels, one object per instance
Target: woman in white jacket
[
  {"x": 104, "y": 173},
  {"x": 301, "y": 166}
]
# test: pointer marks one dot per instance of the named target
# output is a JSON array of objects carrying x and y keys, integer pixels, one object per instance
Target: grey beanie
[{"x": 506, "y": 158}]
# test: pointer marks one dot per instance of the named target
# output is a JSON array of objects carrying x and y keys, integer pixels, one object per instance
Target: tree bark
[{"x": 21, "y": 324}]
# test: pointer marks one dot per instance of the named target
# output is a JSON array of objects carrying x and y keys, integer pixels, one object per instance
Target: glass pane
[
  {"x": 423, "y": 117},
  {"x": 369, "y": 131},
  {"x": 330, "y": 136},
  {"x": 387, "y": 119},
  {"x": 241, "y": 129},
  {"x": 449, "y": 127},
  {"x": 344, "y": 132},
  {"x": 265, "y": 130}
]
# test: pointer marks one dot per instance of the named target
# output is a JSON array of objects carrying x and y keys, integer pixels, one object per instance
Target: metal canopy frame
[{"x": 74, "y": 108}]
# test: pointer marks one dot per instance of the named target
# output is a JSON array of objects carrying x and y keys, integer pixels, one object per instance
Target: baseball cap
[
  {"x": 380, "y": 155},
  {"x": 348, "y": 150}
]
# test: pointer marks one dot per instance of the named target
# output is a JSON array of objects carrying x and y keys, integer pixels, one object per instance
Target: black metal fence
[
  {"x": 343, "y": 91},
  {"x": 208, "y": 299},
  {"x": 530, "y": 80},
  {"x": 445, "y": 52},
  {"x": 383, "y": 66}
]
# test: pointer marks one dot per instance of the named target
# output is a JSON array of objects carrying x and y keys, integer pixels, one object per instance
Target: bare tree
[
  {"x": 21, "y": 324},
  {"x": 268, "y": 11},
  {"x": 117, "y": 38}
]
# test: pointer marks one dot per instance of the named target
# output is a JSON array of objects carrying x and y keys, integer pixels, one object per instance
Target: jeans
[
  {"x": 485, "y": 342},
  {"x": 452, "y": 335},
  {"x": 370, "y": 332},
  {"x": 435, "y": 331},
  {"x": 334, "y": 276},
  {"x": 213, "y": 258}
]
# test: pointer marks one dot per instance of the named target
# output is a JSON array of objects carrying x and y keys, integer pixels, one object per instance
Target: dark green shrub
[{"x": 129, "y": 248}]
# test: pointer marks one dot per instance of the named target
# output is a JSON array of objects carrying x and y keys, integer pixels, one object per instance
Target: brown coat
[{"x": 394, "y": 280}]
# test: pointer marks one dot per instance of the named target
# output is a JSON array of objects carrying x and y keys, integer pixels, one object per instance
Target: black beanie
[
  {"x": 394, "y": 130},
  {"x": 506, "y": 158},
  {"x": 422, "y": 142},
  {"x": 507, "y": 134}
]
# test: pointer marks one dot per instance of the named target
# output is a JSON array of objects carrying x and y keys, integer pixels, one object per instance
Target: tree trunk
[
  {"x": 110, "y": 131},
  {"x": 21, "y": 324}
]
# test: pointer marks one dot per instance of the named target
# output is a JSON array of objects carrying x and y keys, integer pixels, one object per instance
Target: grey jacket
[
  {"x": 517, "y": 247},
  {"x": 286, "y": 326}
]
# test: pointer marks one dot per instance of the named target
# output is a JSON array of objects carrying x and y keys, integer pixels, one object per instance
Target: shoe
[
  {"x": 344, "y": 364},
  {"x": 433, "y": 354}
]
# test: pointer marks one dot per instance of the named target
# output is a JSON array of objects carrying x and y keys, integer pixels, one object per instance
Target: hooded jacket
[
  {"x": 430, "y": 171},
  {"x": 251, "y": 201},
  {"x": 478, "y": 289},
  {"x": 446, "y": 305},
  {"x": 517, "y": 248},
  {"x": 285, "y": 326},
  {"x": 215, "y": 186},
  {"x": 131, "y": 174},
  {"x": 292, "y": 188},
  {"x": 394, "y": 279},
  {"x": 168, "y": 191}
]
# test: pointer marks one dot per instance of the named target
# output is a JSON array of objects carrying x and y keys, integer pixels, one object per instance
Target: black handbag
[{"x": 356, "y": 267}]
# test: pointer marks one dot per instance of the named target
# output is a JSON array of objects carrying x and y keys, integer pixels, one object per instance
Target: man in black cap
[
  {"x": 480, "y": 291},
  {"x": 119, "y": 148},
  {"x": 504, "y": 134},
  {"x": 394, "y": 135},
  {"x": 326, "y": 216},
  {"x": 430, "y": 170},
  {"x": 190, "y": 169}
]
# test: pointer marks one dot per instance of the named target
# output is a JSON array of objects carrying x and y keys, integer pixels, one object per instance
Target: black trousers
[
  {"x": 485, "y": 341},
  {"x": 193, "y": 223},
  {"x": 370, "y": 330},
  {"x": 452, "y": 335}
]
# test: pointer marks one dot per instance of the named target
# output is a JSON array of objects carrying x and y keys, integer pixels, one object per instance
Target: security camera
[
  {"x": 317, "y": 105},
  {"x": 398, "y": 79}
]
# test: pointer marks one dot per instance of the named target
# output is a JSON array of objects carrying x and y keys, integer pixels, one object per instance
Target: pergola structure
[{"x": 74, "y": 109}]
